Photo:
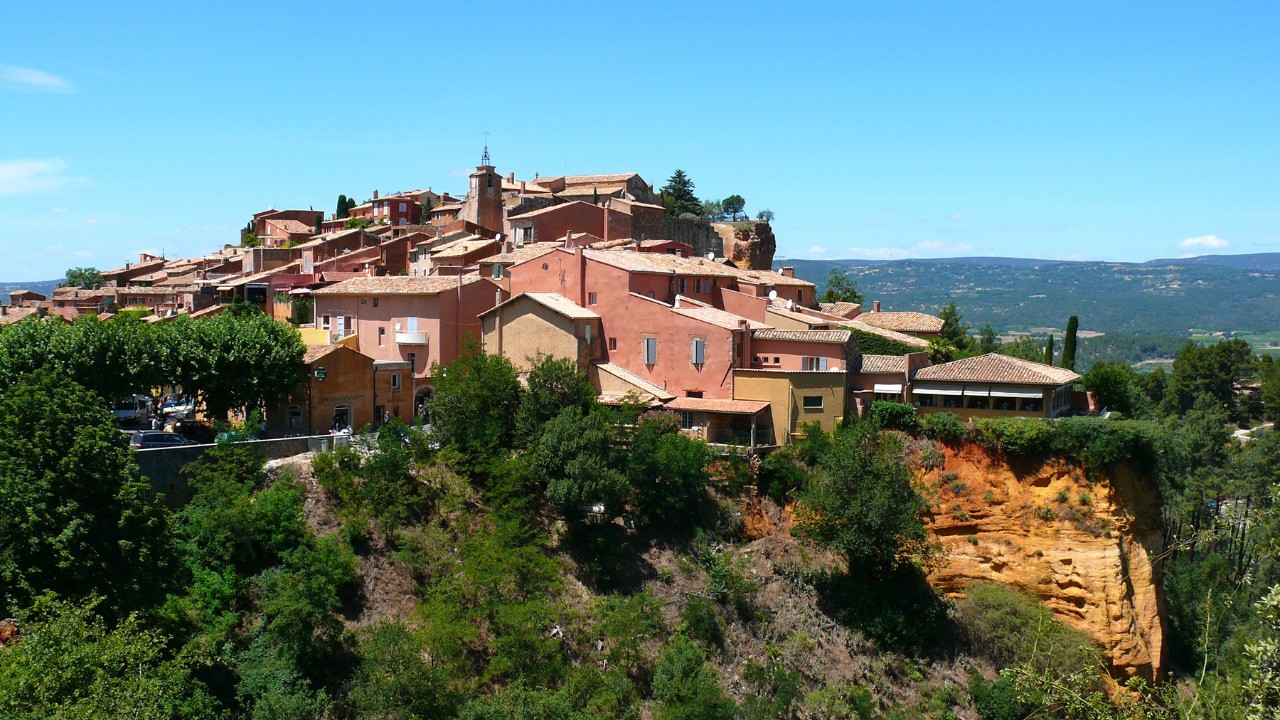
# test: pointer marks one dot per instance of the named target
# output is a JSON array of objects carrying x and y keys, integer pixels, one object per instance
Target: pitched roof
[
  {"x": 660, "y": 263},
  {"x": 292, "y": 227},
  {"x": 818, "y": 336},
  {"x": 554, "y": 301},
  {"x": 461, "y": 248},
  {"x": 996, "y": 368},
  {"x": 577, "y": 190},
  {"x": 798, "y": 317},
  {"x": 550, "y": 209},
  {"x": 769, "y": 277},
  {"x": 719, "y": 318},
  {"x": 732, "y": 407},
  {"x": 584, "y": 179},
  {"x": 841, "y": 309},
  {"x": 315, "y": 352},
  {"x": 520, "y": 254},
  {"x": 903, "y": 321},
  {"x": 634, "y": 380},
  {"x": 870, "y": 364},
  {"x": 398, "y": 285},
  {"x": 911, "y": 340}
]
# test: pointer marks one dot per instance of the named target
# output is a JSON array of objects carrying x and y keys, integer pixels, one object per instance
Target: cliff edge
[{"x": 1084, "y": 548}]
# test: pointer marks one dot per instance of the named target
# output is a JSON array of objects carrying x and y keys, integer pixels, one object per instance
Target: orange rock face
[{"x": 1083, "y": 548}]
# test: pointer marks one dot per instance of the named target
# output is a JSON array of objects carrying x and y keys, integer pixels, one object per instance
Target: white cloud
[
  {"x": 61, "y": 210},
  {"x": 816, "y": 250},
  {"x": 955, "y": 216},
  {"x": 936, "y": 246},
  {"x": 879, "y": 253},
  {"x": 18, "y": 177},
  {"x": 1210, "y": 242},
  {"x": 25, "y": 79}
]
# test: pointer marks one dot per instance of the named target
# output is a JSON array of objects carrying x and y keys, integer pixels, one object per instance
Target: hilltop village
[{"x": 654, "y": 308}]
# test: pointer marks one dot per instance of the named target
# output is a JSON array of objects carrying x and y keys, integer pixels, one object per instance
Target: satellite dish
[
  {"x": 397, "y": 327},
  {"x": 791, "y": 305},
  {"x": 773, "y": 294},
  {"x": 711, "y": 256}
]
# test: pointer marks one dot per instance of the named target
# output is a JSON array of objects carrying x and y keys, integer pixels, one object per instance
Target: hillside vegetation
[{"x": 536, "y": 555}]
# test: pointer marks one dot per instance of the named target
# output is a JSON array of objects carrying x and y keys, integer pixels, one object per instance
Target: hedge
[{"x": 872, "y": 344}]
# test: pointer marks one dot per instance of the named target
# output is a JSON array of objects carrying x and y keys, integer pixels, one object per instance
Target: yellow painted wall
[
  {"x": 525, "y": 329},
  {"x": 314, "y": 336},
  {"x": 785, "y": 392}
]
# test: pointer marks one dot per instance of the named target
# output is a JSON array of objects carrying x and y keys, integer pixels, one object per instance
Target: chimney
[
  {"x": 375, "y": 194},
  {"x": 788, "y": 272},
  {"x": 4, "y": 310},
  {"x": 511, "y": 177},
  {"x": 875, "y": 306}
]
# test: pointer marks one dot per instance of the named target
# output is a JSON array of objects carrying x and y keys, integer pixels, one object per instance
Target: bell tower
[{"x": 484, "y": 200}]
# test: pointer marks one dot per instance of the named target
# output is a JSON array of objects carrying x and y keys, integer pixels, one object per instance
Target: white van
[{"x": 133, "y": 409}]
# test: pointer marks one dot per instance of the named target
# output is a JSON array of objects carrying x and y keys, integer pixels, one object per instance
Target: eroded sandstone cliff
[
  {"x": 749, "y": 244},
  {"x": 1084, "y": 548}
]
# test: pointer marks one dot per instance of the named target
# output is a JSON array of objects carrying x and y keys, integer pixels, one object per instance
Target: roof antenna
[{"x": 484, "y": 158}]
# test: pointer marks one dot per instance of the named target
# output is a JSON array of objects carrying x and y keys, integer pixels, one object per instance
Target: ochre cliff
[
  {"x": 748, "y": 244},
  {"x": 1083, "y": 548}
]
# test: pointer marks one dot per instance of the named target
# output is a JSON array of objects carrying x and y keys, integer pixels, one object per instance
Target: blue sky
[{"x": 1118, "y": 131}]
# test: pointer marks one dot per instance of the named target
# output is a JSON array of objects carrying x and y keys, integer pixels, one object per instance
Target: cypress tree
[
  {"x": 1048, "y": 352},
  {"x": 342, "y": 206},
  {"x": 1069, "y": 343}
]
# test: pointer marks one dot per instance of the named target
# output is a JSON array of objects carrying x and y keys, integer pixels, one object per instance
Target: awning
[
  {"x": 977, "y": 390},
  {"x": 888, "y": 387},
  {"x": 1014, "y": 392},
  {"x": 724, "y": 407},
  {"x": 928, "y": 389}
]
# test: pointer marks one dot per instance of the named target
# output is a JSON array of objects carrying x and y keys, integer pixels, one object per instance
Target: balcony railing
[{"x": 411, "y": 338}]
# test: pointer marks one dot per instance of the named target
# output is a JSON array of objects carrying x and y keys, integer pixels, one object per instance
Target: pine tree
[
  {"x": 1069, "y": 343},
  {"x": 1048, "y": 352},
  {"x": 679, "y": 189},
  {"x": 342, "y": 206}
]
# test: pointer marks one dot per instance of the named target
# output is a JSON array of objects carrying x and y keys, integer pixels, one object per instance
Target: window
[
  {"x": 497, "y": 271},
  {"x": 686, "y": 420},
  {"x": 1031, "y": 405},
  {"x": 951, "y": 401},
  {"x": 698, "y": 351},
  {"x": 295, "y": 418},
  {"x": 650, "y": 295},
  {"x": 375, "y": 302},
  {"x": 650, "y": 350},
  {"x": 800, "y": 297},
  {"x": 324, "y": 322},
  {"x": 926, "y": 400},
  {"x": 812, "y": 402},
  {"x": 382, "y": 333},
  {"x": 979, "y": 403},
  {"x": 402, "y": 207},
  {"x": 681, "y": 284},
  {"x": 613, "y": 343},
  {"x": 813, "y": 363},
  {"x": 395, "y": 381},
  {"x": 413, "y": 362},
  {"x": 592, "y": 298}
]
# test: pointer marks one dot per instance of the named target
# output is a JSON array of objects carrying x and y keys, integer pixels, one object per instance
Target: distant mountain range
[
  {"x": 1238, "y": 293},
  {"x": 44, "y": 287}
]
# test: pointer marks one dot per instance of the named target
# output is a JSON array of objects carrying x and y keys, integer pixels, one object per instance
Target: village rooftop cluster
[{"x": 666, "y": 311}]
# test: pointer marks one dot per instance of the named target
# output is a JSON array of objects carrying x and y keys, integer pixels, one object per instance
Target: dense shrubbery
[{"x": 895, "y": 416}]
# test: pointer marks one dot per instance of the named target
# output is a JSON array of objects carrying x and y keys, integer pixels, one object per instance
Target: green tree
[
  {"x": 1270, "y": 394},
  {"x": 987, "y": 340},
  {"x": 1024, "y": 348},
  {"x": 343, "y": 209},
  {"x": 83, "y": 277},
  {"x": 667, "y": 470},
  {"x": 861, "y": 503},
  {"x": 1069, "y": 343},
  {"x": 954, "y": 328},
  {"x": 574, "y": 456},
  {"x": 1114, "y": 386},
  {"x": 70, "y": 665},
  {"x": 394, "y": 681},
  {"x": 712, "y": 210},
  {"x": 678, "y": 195},
  {"x": 941, "y": 350},
  {"x": 685, "y": 686},
  {"x": 733, "y": 205},
  {"x": 238, "y": 361},
  {"x": 355, "y": 223},
  {"x": 476, "y": 401},
  {"x": 1211, "y": 369},
  {"x": 1048, "y": 351},
  {"x": 840, "y": 288},
  {"x": 765, "y": 216},
  {"x": 551, "y": 386},
  {"x": 75, "y": 516}
]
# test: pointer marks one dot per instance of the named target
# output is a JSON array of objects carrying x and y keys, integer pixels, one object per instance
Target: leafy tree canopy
[
  {"x": 83, "y": 277},
  {"x": 840, "y": 288},
  {"x": 677, "y": 195}
]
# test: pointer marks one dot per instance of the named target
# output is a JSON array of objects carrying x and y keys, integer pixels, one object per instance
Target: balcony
[{"x": 411, "y": 338}]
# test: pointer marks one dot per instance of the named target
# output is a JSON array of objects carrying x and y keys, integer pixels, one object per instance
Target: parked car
[
  {"x": 181, "y": 408},
  {"x": 144, "y": 439}
]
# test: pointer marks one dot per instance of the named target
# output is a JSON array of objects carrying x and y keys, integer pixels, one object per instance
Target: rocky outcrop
[
  {"x": 1084, "y": 548},
  {"x": 749, "y": 244}
]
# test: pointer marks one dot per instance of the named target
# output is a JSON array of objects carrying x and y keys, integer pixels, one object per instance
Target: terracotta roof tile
[
  {"x": 719, "y": 318},
  {"x": 903, "y": 321},
  {"x": 818, "y": 336},
  {"x": 911, "y": 340},
  {"x": 398, "y": 285},
  {"x": 841, "y": 309},
  {"x": 733, "y": 407},
  {"x": 520, "y": 254},
  {"x": 996, "y": 368},
  {"x": 871, "y": 364}
]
